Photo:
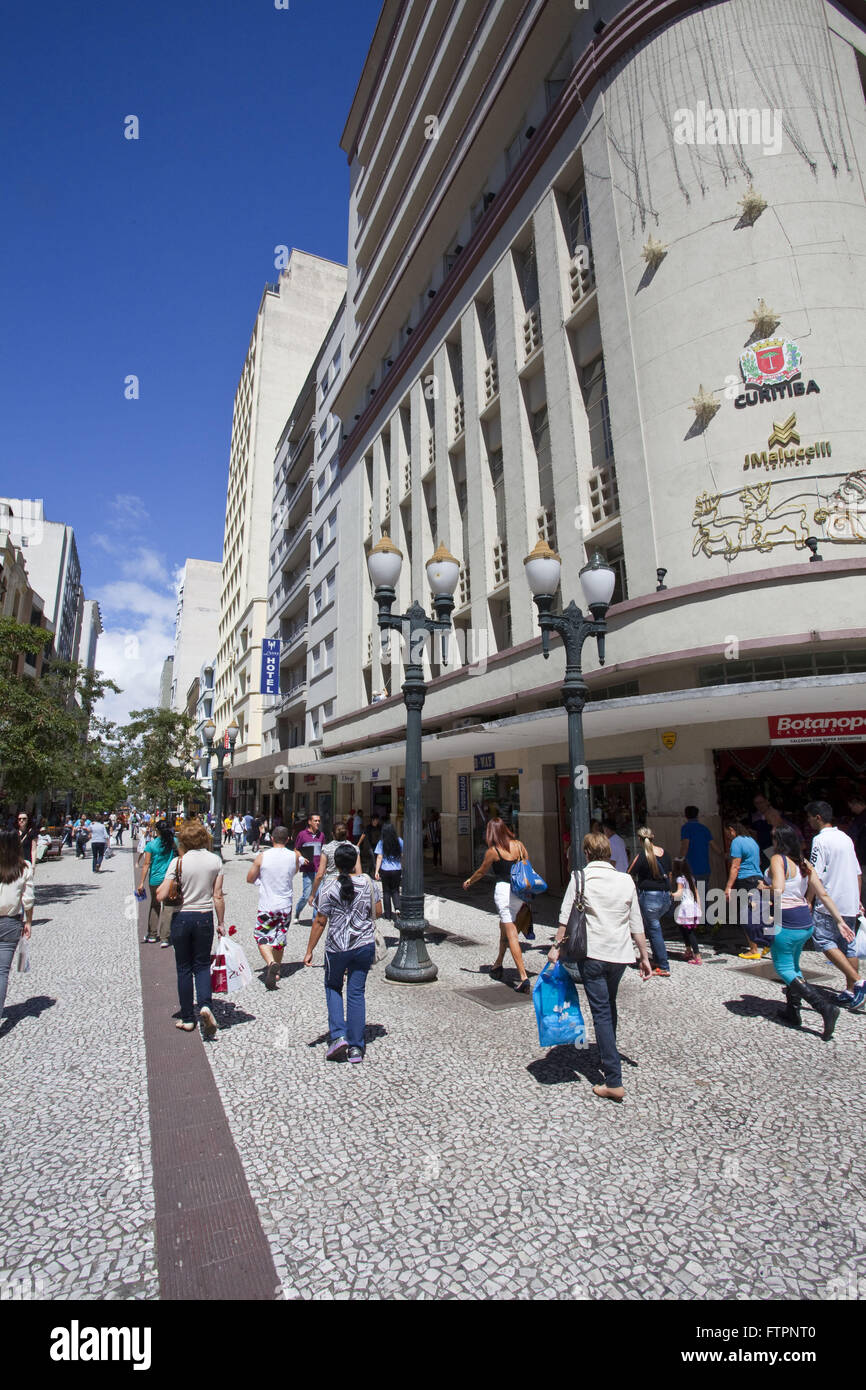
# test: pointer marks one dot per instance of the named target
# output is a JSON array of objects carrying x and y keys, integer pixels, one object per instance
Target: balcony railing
[
  {"x": 298, "y": 491},
  {"x": 295, "y": 632},
  {"x": 545, "y": 524},
  {"x": 531, "y": 332},
  {"x": 431, "y": 452},
  {"x": 491, "y": 380},
  {"x": 407, "y": 476},
  {"x": 464, "y": 591},
  {"x": 459, "y": 417},
  {"x": 580, "y": 278},
  {"x": 500, "y": 562},
  {"x": 603, "y": 494}
]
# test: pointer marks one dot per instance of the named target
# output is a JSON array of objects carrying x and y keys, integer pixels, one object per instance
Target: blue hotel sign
[
  {"x": 270, "y": 666},
  {"x": 485, "y": 762}
]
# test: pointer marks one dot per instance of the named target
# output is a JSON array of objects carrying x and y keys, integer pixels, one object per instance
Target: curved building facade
[{"x": 606, "y": 285}]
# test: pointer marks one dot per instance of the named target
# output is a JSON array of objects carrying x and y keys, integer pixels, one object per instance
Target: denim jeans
[
  {"x": 391, "y": 879},
  {"x": 353, "y": 967},
  {"x": 10, "y": 935},
  {"x": 305, "y": 893},
  {"x": 239, "y": 841},
  {"x": 653, "y": 906},
  {"x": 97, "y": 851},
  {"x": 192, "y": 937},
  {"x": 601, "y": 979}
]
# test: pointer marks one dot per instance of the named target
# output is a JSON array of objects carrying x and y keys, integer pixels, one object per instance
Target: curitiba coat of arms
[{"x": 770, "y": 362}]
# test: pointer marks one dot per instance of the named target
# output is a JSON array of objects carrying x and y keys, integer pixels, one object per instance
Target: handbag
[
  {"x": 557, "y": 1008},
  {"x": 381, "y": 950},
  {"x": 175, "y": 887},
  {"x": 574, "y": 947},
  {"x": 526, "y": 884},
  {"x": 219, "y": 981}
]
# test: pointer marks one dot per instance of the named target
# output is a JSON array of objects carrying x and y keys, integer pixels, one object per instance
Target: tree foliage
[{"x": 161, "y": 745}]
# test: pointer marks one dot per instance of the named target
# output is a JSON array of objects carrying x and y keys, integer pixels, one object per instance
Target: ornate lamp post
[
  {"x": 209, "y": 730},
  {"x": 411, "y": 963},
  {"x": 597, "y": 579}
]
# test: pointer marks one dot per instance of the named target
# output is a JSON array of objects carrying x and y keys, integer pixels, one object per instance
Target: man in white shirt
[
  {"x": 613, "y": 921},
  {"x": 274, "y": 869},
  {"x": 836, "y": 865},
  {"x": 618, "y": 851}
]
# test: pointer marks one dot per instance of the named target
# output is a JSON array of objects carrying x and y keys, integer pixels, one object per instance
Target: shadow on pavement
[
  {"x": 371, "y": 1033},
  {"x": 28, "y": 1008},
  {"x": 751, "y": 1006},
  {"x": 62, "y": 892},
  {"x": 566, "y": 1063}
]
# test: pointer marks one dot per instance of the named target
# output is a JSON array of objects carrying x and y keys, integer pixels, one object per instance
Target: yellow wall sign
[{"x": 669, "y": 738}]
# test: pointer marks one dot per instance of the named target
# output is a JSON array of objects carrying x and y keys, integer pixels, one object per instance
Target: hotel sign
[
  {"x": 849, "y": 726},
  {"x": 270, "y": 684}
]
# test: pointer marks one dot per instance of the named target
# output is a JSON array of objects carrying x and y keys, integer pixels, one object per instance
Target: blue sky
[{"x": 149, "y": 257}]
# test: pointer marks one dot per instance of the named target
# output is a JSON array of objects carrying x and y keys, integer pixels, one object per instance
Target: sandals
[
  {"x": 495, "y": 972},
  {"x": 750, "y": 955},
  {"x": 187, "y": 1027}
]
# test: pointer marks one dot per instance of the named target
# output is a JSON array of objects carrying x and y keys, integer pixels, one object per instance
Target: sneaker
[
  {"x": 859, "y": 998},
  {"x": 337, "y": 1051},
  {"x": 356, "y": 1054},
  {"x": 208, "y": 1022},
  {"x": 659, "y": 971},
  {"x": 845, "y": 997}
]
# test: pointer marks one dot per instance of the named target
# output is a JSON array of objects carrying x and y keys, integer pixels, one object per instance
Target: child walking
[{"x": 687, "y": 914}]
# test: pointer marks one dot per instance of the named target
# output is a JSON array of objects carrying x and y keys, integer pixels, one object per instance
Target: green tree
[{"x": 161, "y": 743}]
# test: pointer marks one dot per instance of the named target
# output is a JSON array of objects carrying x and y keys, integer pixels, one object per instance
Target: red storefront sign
[{"x": 846, "y": 726}]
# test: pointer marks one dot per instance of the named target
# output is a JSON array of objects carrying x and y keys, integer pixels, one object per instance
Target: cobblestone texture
[
  {"x": 76, "y": 1196},
  {"x": 460, "y": 1160}
]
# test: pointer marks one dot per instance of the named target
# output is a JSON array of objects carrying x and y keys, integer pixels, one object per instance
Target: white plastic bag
[
  {"x": 238, "y": 970},
  {"x": 23, "y": 961},
  {"x": 860, "y": 938}
]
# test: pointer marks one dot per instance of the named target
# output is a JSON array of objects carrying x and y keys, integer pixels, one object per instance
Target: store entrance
[
  {"x": 496, "y": 794},
  {"x": 790, "y": 779},
  {"x": 616, "y": 796}
]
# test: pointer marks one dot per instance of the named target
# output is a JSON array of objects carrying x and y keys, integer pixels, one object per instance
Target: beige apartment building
[
  {"x": 293, "y": 317},
  {"x": 195, "y": 629},
  {"x": 606, "y": 286}
]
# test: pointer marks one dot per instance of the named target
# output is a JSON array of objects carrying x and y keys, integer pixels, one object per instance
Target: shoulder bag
[
  {"x": 526, "y": 884},
  {"x": 381, "y": 949},
  {"x": 175, "y": 887},
  {"x": 574, "y": 947}
]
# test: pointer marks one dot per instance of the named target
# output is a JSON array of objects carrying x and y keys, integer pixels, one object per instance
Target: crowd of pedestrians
[{"x": 353, "y": 875}]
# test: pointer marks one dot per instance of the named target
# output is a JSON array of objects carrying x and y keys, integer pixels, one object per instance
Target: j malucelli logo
[
  {"x": 740, "y": 126},
  {"x": 77, "y": 1343}
]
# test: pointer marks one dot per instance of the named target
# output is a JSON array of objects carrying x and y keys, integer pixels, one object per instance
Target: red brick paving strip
[{"x": 209, "y": 1240}]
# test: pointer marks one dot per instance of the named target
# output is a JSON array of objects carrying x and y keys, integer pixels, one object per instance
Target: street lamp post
[
  {"x": 209, "y": 730},
  {"x": 411, "y": 963},
  {"x": 543, "y": 567}
]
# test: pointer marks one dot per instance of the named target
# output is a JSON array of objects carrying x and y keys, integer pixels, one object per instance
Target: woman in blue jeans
[
  {"x": 791, "y": 876},
  {"x": 198, "y": 874},
  {"x": 16, "y": 902},
  {"x": 651, "y": 869},
  {"x": 348, "y": 906}
]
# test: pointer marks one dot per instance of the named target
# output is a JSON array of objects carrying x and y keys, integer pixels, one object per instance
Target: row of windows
[{"x": 774, "y": 668}]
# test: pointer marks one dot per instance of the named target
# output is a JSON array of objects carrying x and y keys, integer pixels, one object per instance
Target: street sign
[
  {"x": 270, "y": 682},
  {"x": 485, "y": 762}
]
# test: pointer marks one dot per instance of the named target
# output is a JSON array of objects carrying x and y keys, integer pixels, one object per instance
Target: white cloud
[
  {"x": 128, "y": 510},
  {"x": 133, "y": 656},
  {"x": 126, "y": 596}
]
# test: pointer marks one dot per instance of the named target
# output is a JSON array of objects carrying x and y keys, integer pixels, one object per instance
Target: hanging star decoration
[
  {"x": 751, "y": 205},
  {"x": 764, "y": 319},
  {"x": 654, "y": 252},
  {"x": 705, "y": 405}
]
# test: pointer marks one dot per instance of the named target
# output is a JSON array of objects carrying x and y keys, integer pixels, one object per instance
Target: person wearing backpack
[
  {"x": 614, "y": 920},
  {"x": 503, "y": 851},
  {"x": 348, "y": 906}
]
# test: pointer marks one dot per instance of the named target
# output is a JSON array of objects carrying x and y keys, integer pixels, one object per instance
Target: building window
[
  {"x": 527, "y": 275},
  {"x": 615, "y": 557},
  {"x": 598, "y": 414}
]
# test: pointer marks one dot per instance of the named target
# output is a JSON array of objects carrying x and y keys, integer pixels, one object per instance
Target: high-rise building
[
  {"x": 18, "y": 600},
  {"x": 604, "y": 287},
  {"x": 195, "y": 632},
  {"x": 90, "y": 631},
  {"x": 53, "y": 566},
  {"x": 293, "y": 317},
  {"x": 165, "y": 683}
]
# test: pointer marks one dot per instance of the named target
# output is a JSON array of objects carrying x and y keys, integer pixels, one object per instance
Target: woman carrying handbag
[
  {"x": 348, "y": 906},
  {"x": 598, "y": 919},
  {"x": 193, "y": 883},
  {"x": 503, "y": 851}
]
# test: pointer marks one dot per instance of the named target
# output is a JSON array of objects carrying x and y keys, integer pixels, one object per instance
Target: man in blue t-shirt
[{"x": 696, "y": 845}]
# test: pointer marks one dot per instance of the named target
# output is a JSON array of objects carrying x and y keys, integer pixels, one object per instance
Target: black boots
[
  {"x": 791, "y": 1012},
  {"x": 798, "y": 990}
]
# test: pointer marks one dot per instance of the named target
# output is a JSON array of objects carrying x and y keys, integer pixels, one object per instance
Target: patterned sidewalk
[{"x": 460, "y": 1160}]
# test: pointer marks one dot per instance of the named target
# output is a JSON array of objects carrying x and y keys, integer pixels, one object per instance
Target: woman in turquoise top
[
  {"x": 158, "y": 854},
  {"x": 745, "y": 877}
]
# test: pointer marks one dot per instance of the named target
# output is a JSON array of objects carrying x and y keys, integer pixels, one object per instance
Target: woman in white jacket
[{"x": 16, "y": 902}]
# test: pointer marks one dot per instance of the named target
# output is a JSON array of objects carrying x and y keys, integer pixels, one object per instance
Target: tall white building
[
  {"x": 293, "y": 317},
  {"x": 53, "y": 566},
  {"x": 91, "y": 630},
  {"x": 195, "y": 633},
  {"x": 579, "y": 306}
]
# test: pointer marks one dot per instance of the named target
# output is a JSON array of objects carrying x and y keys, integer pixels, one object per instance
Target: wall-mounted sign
[
  {"x": 849, "y": 726},
  {"x": 766, "y": 515},
  {"x": 270, "y": 684},
  {"x": 789, "y": 452},
  {"x": 770, "y": 362},
  {"x": 309, "y": 777},
  {"x": 485, "y": 762},
  {"x": 669, "y": 738},
  {"x": 463, "y": 792},
  {"x": 462, "y": 825},
  {"x": 346, "y": 777},
  {"x": 374, "y": 774}
]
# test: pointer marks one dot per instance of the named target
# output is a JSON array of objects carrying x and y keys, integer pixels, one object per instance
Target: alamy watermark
[{"x": 713, "y": 125}]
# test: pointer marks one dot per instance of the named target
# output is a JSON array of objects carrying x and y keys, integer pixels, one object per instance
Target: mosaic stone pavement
[{"x": 460, "y": 1160}]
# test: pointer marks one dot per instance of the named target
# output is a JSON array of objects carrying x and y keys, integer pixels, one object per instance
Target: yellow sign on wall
[{"x": 669, "y": 738}]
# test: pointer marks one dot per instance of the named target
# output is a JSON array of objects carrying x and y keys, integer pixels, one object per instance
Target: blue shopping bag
[
  {"x": 557, "y": 1010},
  {"x": 526, "y": 884}
]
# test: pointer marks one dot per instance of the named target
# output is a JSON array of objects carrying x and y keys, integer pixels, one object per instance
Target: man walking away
[
  {"x": 308, "y": 844},
  {"x": 98, "y": 842},
  {"x": 618, "y": 851},
  {"x": 836, "y": 865},
  {"x": 273, "y": 870},
  {"x": 434, "y": 830},
  {"x": 696, "y": 846}
]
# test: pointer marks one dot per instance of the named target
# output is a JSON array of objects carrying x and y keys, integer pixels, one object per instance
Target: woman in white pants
[{"x": 503, "y": 851}]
